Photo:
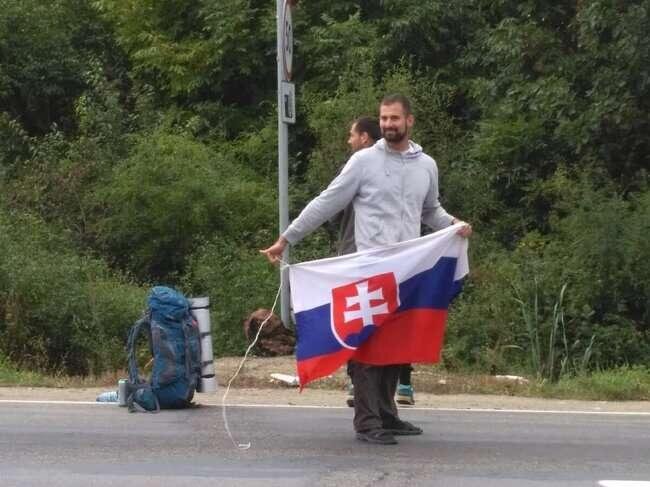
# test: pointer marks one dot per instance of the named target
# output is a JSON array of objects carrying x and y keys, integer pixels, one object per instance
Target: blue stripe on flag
[
  {"x": 433, "y": 288},
  {"x": 314, "y": 332}
]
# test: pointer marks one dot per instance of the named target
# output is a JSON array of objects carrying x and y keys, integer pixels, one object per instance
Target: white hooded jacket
[{"x": 391, "y": 192}]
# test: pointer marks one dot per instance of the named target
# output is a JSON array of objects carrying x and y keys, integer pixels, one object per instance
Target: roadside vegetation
[
  {"x": 135, "y": 153},
  {"x": 619, "y": 384}
]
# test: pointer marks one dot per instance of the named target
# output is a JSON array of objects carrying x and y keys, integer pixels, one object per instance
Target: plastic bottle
[{"x": 108, "y": 396}]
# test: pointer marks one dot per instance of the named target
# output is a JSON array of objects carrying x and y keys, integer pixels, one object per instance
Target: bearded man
[{"x": 393, "y": 187}]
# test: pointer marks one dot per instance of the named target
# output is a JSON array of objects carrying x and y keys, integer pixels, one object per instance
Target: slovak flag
[{"x": 382, "y": 306}]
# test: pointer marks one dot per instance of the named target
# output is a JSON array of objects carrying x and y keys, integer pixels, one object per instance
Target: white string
[{"x": 246, "y": 446}]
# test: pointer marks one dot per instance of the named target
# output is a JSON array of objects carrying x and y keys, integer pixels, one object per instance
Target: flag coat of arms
[{"x": 381, "y": 306}]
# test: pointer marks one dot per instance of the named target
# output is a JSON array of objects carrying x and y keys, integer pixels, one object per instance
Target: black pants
[
  {"x": 404, "y": 373},
  {"x": 374, "y": 395}
]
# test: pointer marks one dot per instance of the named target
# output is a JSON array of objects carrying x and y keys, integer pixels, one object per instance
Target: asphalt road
[{"x": 103, "y": 445}]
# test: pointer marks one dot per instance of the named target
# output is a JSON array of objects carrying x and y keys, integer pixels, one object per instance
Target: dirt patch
[{"x": 254, "y": 385}]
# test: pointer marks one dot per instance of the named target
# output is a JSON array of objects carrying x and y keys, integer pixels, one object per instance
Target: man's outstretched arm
[
  {"x": 274, "y": 252},
  {"x": 331, "y": 201}
]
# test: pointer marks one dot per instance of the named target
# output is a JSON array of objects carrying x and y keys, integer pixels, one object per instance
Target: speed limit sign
[{"x": 287, "y": 39}]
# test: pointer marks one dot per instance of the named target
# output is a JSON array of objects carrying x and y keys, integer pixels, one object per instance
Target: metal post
[{"x": 283, "y": 166}]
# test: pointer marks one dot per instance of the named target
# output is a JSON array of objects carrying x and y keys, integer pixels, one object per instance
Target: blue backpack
[{"x": 174, "y": 342}]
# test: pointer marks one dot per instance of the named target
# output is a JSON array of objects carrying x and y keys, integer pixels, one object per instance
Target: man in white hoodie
[
  {"x": 364, "y": 133},
  {"x": 393, "y": 187}
]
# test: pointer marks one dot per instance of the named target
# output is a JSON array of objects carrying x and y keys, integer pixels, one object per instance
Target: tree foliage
[
  {"x": 142, "y": 134},
  {"x": 169, "y": 195}
]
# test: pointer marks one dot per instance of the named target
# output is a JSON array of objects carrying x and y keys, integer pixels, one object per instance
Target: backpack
[{"x": 174, "y": 343}]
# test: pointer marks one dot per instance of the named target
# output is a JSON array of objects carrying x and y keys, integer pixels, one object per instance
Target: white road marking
[
  {"x": 624, "y": 483},
  {"x": 27, "y": 401},
  {"x": 305, "y": 406},
  {"x": 541, "y": 411}
]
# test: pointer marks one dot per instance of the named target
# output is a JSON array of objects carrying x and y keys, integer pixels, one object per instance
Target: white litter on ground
[{"x": 290, "y": 380}]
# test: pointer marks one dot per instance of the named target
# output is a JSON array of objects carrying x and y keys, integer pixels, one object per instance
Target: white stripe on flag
[{"x": 312, "y": 282}]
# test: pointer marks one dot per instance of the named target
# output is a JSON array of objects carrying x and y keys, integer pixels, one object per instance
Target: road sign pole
[{"x": 283, "y": 161}]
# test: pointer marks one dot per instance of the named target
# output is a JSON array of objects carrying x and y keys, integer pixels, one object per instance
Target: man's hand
[
  {"x": 274, "y": 252},
  {"x": 464, "y": 231}
]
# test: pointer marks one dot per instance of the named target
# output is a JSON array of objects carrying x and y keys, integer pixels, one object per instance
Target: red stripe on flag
[
  {"x": 411, "y": 336},
  {"x": 316, "y": 367}
]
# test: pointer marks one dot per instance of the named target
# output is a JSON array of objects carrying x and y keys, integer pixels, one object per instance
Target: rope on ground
[{"x": 246, "y": 446}]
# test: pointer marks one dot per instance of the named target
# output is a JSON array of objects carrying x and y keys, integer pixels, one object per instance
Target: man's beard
[{"x": 394, "y": 135}]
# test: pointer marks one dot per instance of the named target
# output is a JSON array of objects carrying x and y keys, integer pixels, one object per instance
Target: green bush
[
  {"x": 14, "y": 144},
  {"x": 60, "y": 311},
  {"x": 599, "y": 247},
  {"x": 483, "y": 328},
  {"x": 171, "y": 194},
  {"x": 11, "y": 375},
  {"x": 238, "y": 281},
  {"x": 572, "y": 300},
  {"x": 617, "y": 384}
]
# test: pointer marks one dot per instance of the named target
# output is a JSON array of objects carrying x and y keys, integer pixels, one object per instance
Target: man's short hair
[
  {"x": 369, "y": 126},
  {"x": 397, "y": 98}
]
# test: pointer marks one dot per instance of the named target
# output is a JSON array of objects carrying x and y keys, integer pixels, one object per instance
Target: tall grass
[
  {"x": 551, "y": 356},
  {"x": 10, "y": 374},
  {"x": 620, "y": 384}
]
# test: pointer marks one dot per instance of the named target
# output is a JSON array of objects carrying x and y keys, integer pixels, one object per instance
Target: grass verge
[
  {"x": 11, "y": 375},
  {"x": 621, "y": 384}
]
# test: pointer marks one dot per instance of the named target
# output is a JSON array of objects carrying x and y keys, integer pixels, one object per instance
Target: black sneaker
[
  {"x": 377, "y": 437},
  {"x": 403, "y": 428}
]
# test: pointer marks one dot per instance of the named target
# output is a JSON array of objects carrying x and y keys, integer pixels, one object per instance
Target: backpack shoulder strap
[
  {"x": 142, "y": 390},
  {"x": 143, "y": 324},
  {"x": 136, "y": 383}
]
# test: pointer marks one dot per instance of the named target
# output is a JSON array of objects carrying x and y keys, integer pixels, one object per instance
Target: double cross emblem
[{"x": 359, "y": 307}]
